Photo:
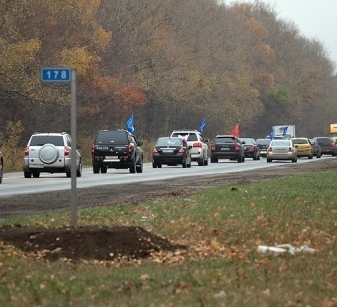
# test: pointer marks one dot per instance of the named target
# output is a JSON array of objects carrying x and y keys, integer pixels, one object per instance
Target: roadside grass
[{"x": 222, "y": 227}]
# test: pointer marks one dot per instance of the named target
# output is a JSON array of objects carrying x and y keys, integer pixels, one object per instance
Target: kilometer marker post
[{"x": 67, "y": 75}]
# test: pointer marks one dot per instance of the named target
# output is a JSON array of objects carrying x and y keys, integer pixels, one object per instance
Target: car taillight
[
  {"x": 130, "y": 148},
  {"x": 154, "y": 149},
  {"x": 237, "y": 147},
  {"x": 197, "y": 144},
  {"x": 27, "y": 151},
  {"x": 213, "y": 147},
  {"x": 92, "y": 148},
  {"x": 270, "y": 149},
  {"x": 251, "y": 148},
  {"x": 182, "y": 149},
  {"x": 308, "y": 146},
  {"x": 291, "y": 149},
  {"x": 66, "y": 151}
]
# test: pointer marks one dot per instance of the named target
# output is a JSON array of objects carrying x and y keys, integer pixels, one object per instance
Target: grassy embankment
[{"x": 222, "y": 228}]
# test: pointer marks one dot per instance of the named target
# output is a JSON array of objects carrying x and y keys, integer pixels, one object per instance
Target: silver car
[
  {"x": 1, "y": 165},
  {"x": 50, "y": 153},
  {"x": 281, "y": 150}
]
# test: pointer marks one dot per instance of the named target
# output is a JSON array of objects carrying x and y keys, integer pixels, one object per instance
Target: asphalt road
[{"x": 15, "y": 183}]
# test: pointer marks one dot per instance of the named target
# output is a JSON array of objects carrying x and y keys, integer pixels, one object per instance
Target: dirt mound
[{"x": 99, "y": 243}]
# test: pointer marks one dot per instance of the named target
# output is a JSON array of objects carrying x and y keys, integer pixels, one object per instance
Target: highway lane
[{"x": 15, "y": 183}]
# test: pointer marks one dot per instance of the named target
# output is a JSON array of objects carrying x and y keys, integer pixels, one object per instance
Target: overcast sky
[{"x": 314, "y": 18}]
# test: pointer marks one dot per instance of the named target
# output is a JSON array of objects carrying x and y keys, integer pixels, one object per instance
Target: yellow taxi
[{"x": 303, "y": 147}]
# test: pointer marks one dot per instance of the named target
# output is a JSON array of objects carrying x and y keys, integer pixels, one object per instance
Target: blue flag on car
[
  {"x": 129, "y": 125},
  {"x": 285, "y": 128},
  {"x": 203, "y": 125},
  {"x": 272, "y": 134}
]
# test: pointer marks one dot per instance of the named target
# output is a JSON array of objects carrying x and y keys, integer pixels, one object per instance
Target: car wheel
[
  {"x": 184, "y": 165},
  {"x": 27, "y": 174},
  {"x": 239, "y": 159},
  {"x": 36, "y": 174},
  {"x": 139, "y": 168},
  {"x": 159, "y": 165},
  {"x": 79, "y": 170},
  {"x": 269, "y": 160},
  {"x": 201, "y": 163},
  {"x": 206, "y": 162},
  {"x": 1, "y": 171},
  {"x": 104, "y": 169},
  {"x": 310, "y": 157},
  {"x": 132, "y": 168},
  {"x": 258, "y": 157},
  {"x": 154, "y": 165},
  {"x": 68, "y": 174},
  {"x": 213, "y": 160},
  {"x": 189, "y": 165},
  {"x": 318, "y": 156},
  {"x": 243, "y": 159},
  {"x": 294, "y": 160},
  {"x": 95, "y": 168}
]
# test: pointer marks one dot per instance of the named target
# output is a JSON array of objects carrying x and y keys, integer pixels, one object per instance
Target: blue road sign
[{"x": 56, "y": 74}]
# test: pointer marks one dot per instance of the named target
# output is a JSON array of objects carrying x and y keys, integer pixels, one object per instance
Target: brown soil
[{"x": 109, "y": 243}]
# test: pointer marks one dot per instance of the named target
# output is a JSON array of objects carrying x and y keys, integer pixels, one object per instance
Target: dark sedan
[
  {"x": 171, "y": 151},
  {"x": 251, "y": 148},
  {"x": 317, "y": 152},
  {"x": 263, "y": 144}
]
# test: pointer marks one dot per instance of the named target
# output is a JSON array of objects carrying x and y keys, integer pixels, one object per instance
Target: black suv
[
  {"x": 116, "y": 149},
  {"x": 227, "y": 147}
]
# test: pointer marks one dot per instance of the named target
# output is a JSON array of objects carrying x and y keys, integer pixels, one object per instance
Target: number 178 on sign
[{"x": 58, "y": 74}]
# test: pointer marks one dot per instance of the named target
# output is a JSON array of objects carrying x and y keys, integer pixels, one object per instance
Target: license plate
[
  {"x": 111, "y": 157},
  {"x": 36, "y": 166},
  {"x": 168, "y": 150},
  {"x": 102, "y": 147},
  {"x": 225, "y": 148}
]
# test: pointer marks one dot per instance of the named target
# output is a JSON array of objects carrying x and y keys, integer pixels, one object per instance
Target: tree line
[{"x": 171, "y": 63}]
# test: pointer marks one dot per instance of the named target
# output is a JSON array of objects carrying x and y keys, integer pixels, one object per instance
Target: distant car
[
  {"x": 251, "y": 148},
  {"x": 327, "y": 144},
  {"x": 117, "y": 149},
  {"x": 316, "y": 149},
  {"x": 303, "y": 147},
  {"x": 281, "y": 150},
  {"x": 194, "y": 138},
  {"x": 50, "y": 153},
  {"x": 263, "y": 145},
  {"x": 1, "y": 166},
  {"x": 227, "y": 147},
  {"x": 171, "y": 151}
]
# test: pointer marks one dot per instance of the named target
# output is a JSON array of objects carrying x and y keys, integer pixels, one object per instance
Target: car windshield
[
  {"x": 280, "y": 143},
  {"x": 39, "y": 140},
  {"x": 169, "y": 141},
  {"x": 300, "y": 141},
  {"x": 262, "y": 142},
  {"x": 324, "y": 141},
  {"x": 223, "y": 140},
  {"x": 111, "y": 136},
  {"x": 187, "y": 136},
  {"x": 247, "y": 141}
]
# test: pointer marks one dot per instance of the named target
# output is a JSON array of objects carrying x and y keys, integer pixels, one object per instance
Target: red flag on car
[{"x": 236, "y": 130}]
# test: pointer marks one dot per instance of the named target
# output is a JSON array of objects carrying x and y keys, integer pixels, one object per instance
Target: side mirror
[
  {"x": 206, "y": 140},
  {"x": 243, "y": 142},
  {"x": 139, "y": 143},
  {"x": 78, "y": 146},
  {"x": 190, "y": 147},
  {"x": 296, "y": 146}
]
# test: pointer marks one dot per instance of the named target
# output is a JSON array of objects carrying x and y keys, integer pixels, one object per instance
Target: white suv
[
  {"x": 50, "y": 153},
  {"x": 199, "y": 150}
]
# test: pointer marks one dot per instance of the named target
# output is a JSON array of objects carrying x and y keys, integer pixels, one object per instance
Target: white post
[{"x": 73, "y": 155}]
